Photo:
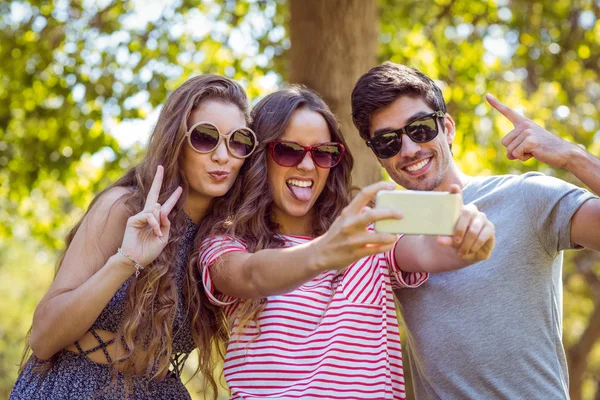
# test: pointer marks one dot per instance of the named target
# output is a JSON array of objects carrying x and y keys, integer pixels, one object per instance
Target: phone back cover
[{"x": 425, "y": 213}]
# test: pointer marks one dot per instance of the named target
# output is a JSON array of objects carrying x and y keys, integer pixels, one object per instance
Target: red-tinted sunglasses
[{"x": 290, "y": 154}]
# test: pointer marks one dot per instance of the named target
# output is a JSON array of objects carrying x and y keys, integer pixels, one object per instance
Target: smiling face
[
  {"x": 212, "y": 174},
  {"x": 296, "y": 189},
  {"x": 418, "y": 166}
]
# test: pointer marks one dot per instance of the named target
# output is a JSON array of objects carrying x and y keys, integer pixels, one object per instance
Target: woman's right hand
[
  {"x": 348, "y": 239},
  {"x": 147, "y": 233}
]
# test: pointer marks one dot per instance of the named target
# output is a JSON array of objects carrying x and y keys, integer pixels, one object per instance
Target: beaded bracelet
[{"x": 138, "y": 266}]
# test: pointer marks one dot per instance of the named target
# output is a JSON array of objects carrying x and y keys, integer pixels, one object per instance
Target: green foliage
[
  {"x": 541, "y": 57},
  {"x": 71, "y": 70},
  {"x": 25, "y": 270}
]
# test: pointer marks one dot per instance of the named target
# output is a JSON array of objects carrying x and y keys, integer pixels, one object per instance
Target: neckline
[
  {"x": 284, "y": 236},
  {"x": 472, "y": 181},
  {"x": 189, "y": 220}
]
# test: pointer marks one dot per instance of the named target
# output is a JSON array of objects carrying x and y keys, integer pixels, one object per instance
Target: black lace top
[{"x": 112, "y": 316}]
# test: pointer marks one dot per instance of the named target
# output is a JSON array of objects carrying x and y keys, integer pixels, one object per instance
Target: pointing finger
[{"x": 505, "y": 110}]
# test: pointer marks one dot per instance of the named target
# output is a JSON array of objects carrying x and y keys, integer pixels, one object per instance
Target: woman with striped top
[{"x": 304, "y": 280}]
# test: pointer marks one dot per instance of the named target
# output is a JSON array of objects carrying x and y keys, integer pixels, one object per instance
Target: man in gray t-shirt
[{"x": 494, "y": 329}]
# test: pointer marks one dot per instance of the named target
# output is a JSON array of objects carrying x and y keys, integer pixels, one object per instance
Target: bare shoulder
[
  {"x": 112, "y": 198},
  {"x": 105, "y": 221},
  {"x": 95, "y": 240},
  {"x": 111, "y": 205}
]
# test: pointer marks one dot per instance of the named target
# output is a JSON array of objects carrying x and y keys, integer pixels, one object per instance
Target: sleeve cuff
[
  {"x": 208, "y": 258},
  {"x": 402, "y": 279},
  {"x": 209, "y": 288}
]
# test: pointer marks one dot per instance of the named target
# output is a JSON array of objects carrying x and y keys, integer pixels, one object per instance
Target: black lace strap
[
  {"x": 178, "y": 361},
  {"x": 78, "y": 347},
  {"x": 101, "y": 345}
]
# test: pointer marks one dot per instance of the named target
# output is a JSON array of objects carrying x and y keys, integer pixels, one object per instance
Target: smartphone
[{"x": 425, "y": 213}]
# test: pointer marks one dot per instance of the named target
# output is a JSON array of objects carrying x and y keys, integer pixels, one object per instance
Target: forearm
[
  {"x": 424, "y": 254},
  {"x": 64, "y": 318},
  {"x": 272, "y": 272},
  {"x": 586, "y": 168}
]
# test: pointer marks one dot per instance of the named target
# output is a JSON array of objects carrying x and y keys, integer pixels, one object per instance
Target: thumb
[
  {"x": 444, "y": 240},
  {"x": 455, "y": 189}
]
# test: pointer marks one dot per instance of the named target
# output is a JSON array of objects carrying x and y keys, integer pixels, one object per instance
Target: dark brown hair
[
  {"x": 382, "y": 85},
  {"x": 152, "y": 298},
  {"x": 251, "y": 216}
]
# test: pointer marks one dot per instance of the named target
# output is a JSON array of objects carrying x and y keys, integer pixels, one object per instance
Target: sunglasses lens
[
  {"x": 386, "y": 145},
  {"x": 288, "y": 154},
  {"x": 242, "y": 143},
  {"x": 327, "y": 155},
  {"x": 422, "y": 131},
  {"x": 204, "y": 138}
]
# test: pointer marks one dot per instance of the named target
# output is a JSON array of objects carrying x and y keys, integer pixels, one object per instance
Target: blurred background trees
[{"x": 81, "y": 82}]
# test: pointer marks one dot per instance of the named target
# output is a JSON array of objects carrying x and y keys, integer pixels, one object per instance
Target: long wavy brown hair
[
  {"x": 152, "y": 299},
  {"x": 251, "y": 218}
]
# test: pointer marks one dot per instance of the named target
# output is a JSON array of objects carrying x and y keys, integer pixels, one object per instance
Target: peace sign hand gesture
[
  {"x": 147, "y": 233},
  {"x": 528, "y": 139}
]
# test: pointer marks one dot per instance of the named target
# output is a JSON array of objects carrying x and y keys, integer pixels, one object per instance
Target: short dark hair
[{"x": 382, "y": 85}]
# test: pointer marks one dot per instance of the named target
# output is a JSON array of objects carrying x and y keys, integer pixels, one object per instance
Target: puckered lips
[
  {"x": 218, "y": 175},
  {"x": 300, "y": 188}
]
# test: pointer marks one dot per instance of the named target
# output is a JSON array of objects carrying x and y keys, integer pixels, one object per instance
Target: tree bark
[
  {"x": 577, "y": 355},
  {"x": 333, "y": 42}
]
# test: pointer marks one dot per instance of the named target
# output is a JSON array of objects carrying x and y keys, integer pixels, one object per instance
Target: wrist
[
  {"x": 136, "y": 264},
  {"x": 316, "y": 263},
  {"x": 576, "y": 156},
  {"x": 121, "y": 265}
]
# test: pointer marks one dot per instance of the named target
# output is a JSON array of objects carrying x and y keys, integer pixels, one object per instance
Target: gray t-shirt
[{"x": 494, "y": 329}]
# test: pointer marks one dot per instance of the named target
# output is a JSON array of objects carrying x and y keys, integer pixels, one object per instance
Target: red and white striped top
[{"x": 335, "y": 337}]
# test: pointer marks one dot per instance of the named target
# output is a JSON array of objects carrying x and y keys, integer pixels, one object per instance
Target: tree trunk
[
  {"x": 577, "y": 354},
  {"x": 333, "y": 42}
]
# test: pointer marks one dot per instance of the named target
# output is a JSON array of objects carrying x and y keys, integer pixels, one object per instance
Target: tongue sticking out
[{"x": 301, "y": 193}]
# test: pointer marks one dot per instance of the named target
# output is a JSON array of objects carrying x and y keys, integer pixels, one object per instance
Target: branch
[{"x": 444, "y": 13}]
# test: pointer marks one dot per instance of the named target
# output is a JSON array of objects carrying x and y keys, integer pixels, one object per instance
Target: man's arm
[
  {"x": 426, "y": 254},
  {"x": 529, "y": 140},
  {"x": 585, "y": 167},
  {"x": 585, "y": 224}
]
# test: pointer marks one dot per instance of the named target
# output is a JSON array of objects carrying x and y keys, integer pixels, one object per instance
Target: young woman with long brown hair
[
  {"x": 125, "y": 309},
  {"x": 304, "y": 280}
]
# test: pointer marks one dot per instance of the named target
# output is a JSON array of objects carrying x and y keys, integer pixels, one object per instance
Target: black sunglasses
[{"x": 421, "y": 130}]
